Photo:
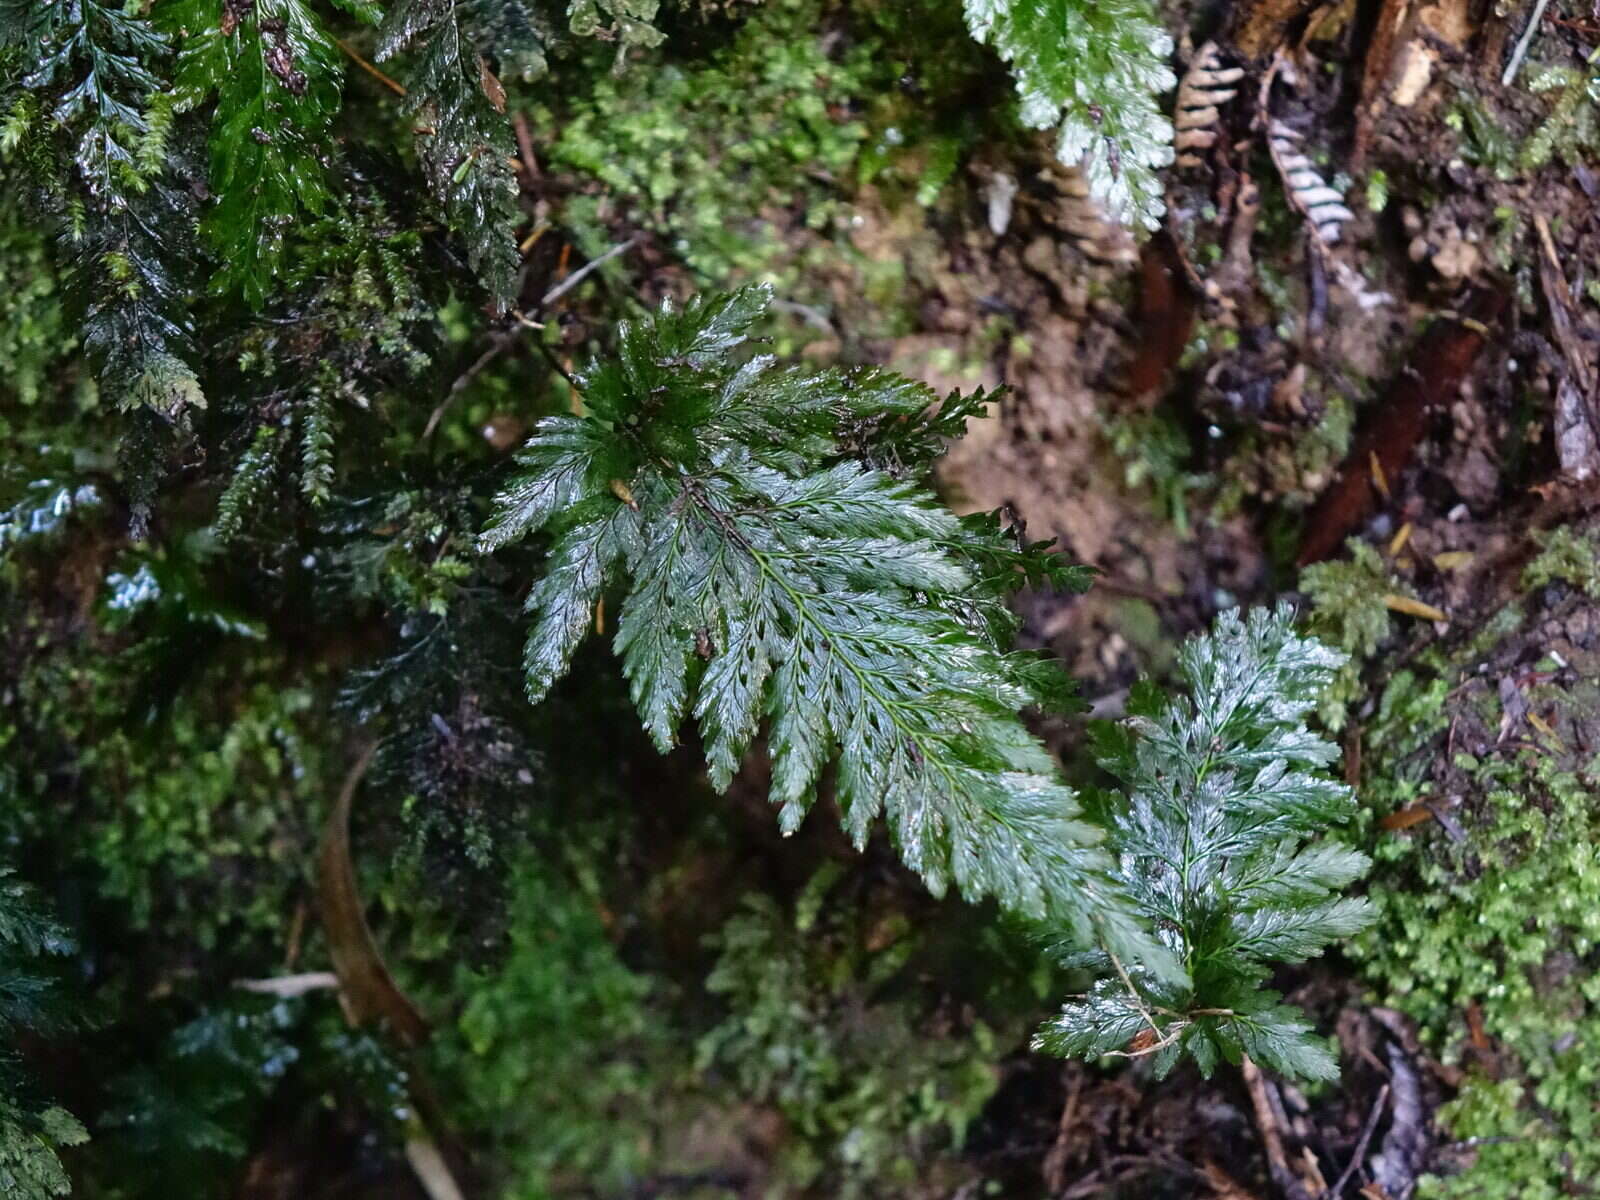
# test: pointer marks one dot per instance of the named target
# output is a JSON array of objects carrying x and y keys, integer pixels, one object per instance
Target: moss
[
  {"x": 1494, "y": 912},
  {"x": 823, "y": 1025},
  {"x": 193, "y": 812},
  {"x": 1348, "y": 612},
  {"x": 1567, "y": 555},
  {"x": 560, "y": 1054},
  {"x": 34, "y": 341},
  {"x": 1155, "y": 451},
  {"x": 749, "y": 159}
]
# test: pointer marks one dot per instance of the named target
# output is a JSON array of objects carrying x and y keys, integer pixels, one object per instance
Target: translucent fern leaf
[
  {"x": 464, "y": 144},
  {"x": 276, "y": 76},
  {"x": 316, "y": 448},
  {"x": 96, "y": 60},
  {"x": 1095, "y": 70},
  {"x": 95, "y": 68},
  {"x": 1220, "y": 836},
  {"x": 252, "y": 482},
  {"x": 768, "y": 580}
]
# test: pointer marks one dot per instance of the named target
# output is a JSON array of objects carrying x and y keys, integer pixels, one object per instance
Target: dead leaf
[
  {"x": 493, "y": 89},
  {"x": 1453, "y": 560},
  {"x": 1413, "y": 608},
  {"x": 1401, "y": 537},
  {"x": 366, "y": 989},
  {"x": 1433, "y": 371},
  {"x": 1405, "y": 818}
]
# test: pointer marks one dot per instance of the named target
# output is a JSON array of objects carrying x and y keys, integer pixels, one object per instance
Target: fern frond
[
  {"x": 276, "y": 74},
  {"x": 133, "y": 261},
  {"x": 770, "y": 580},
  {"x": 1096, "y": 71},
  {"x": 31, "y": 1132},
  {"x": 28, "y": 1145},
  {"x": 250, "y": 485},
  {"x": 316, "y": 447},
  {"x": 95, "y": 62},
  {"x": 463, "y": 142},
  {"x": 1226, "y": 792},
  {"x": 95, "y": 65}
]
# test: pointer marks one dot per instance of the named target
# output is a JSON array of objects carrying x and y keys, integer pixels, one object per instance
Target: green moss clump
[
  {"x": 1348, "y": 613},
  {"x": 749, "y": 159},
  {"x": 194, "y": 815},
  {"x": 864, "y": 1074},
  {"x": 559, "y": 1053},
  {"x": 1567, "y": 555},
  {"x": 1496, "y": 908},
  {"x": 34, "y": 339}
]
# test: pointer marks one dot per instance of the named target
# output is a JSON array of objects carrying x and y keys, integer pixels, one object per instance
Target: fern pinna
[
  {"x": 1226, "y": 793},
  {"x": 771, "y": 575},
  {"x": 32, "y": 1130}
]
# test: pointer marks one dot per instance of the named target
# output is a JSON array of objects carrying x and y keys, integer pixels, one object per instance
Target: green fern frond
[
  {"x": 463, "y": 142},
  {"x": 316, "y": 448},
  {"x": 31, "y": 1132},
  {"x": 133, "y": 261},
  {"x": 1226, "y": 794},
  {"x": 276, "y": 76},
  {"x": 29, "y": 1165},
  {"x": 95, "y": 63},
  {"x": 770, "y": 580},
  {"x": 252, "y": 482},
  {"x": 126, "y": 225},
  {"x": 1095, "y": 70}
]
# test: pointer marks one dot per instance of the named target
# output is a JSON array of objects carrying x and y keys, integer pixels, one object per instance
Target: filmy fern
[
  {"x": 462, "y": 140},
  {"x": 31, "y": 1131},
  {"x": 1095, "y": 70},
  {"x": 276, "y": 76},
  {"x": 769, "y": 577},
  {"x": 250, "y": 485},
  {"x": 126, "y": 223},
  {"x": 1217, "y": 836},
  {"x": 95, "y": 63}
]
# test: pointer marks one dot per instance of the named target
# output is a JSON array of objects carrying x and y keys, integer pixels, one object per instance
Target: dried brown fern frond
[{"x": 1207, "y": 85}]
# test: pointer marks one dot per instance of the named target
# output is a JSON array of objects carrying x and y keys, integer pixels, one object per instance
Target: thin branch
[
  {"x": 1525, "y": 41},
  {"x": 289, "y": 986},
  {"x": 1138, "y": 1002},
  {"x": 397, "y": 89},
  {"x": 583, "y": 272},
  {"x": 1360, "y": 1152}
]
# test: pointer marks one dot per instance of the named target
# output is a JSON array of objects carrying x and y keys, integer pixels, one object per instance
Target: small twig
[
  {"x": 287, "y": 987},
  {"x": 583, "y": 272},
  {"x": 1525, "y": 41},
  {"x": 397, "y": 89},
  {"x": 555, "y": 365},
  {"x": 1360, "y": 1151},
  {"x": 530, "y": 163},
  {"x": 499, "y": 344},
  {"x": 1055, "y": 1162},
  {"x": 1267, "y": 1126}
]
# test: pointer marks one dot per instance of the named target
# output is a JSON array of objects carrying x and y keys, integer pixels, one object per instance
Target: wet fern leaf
[
  {"x": 1095, "y": 72},
  {"x": 96, "y": 64},
  {"x": 133, "y": 264},
  {"x": 1219, "y": 834},
  {"x": 769, "y": 580},
  {"x": 275, "y": 73},
  {"x": 124, "y": 212},
  {"x": 463, "y": 142},
  {"x": 32, "y": 1131}
]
